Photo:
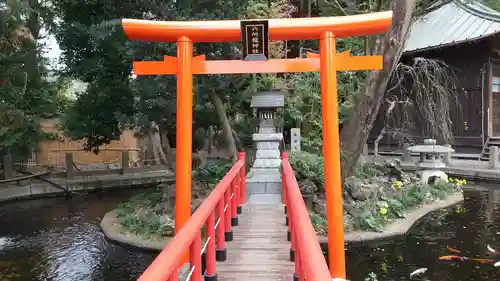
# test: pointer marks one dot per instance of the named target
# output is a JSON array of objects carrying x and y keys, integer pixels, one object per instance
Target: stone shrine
[{"x": 265, "y": 175}]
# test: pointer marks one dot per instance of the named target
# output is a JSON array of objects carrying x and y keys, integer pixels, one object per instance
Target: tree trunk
[
  {"x": 226, "y": 126},
  {"x": 158, "y": 146},
  {"x": 358, "y": 126},
  {"x": 166, "y": 149},
  {"x": 237, "y": 141}
]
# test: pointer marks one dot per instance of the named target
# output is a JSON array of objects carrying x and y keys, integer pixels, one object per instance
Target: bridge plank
[{"x": 260, "y": 250}]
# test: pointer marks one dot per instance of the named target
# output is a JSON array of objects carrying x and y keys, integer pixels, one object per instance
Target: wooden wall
[{"x": 53, "y": 152}]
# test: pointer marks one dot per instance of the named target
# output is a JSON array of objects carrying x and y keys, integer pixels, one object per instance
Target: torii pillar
[{"x": 328, "y": 62}]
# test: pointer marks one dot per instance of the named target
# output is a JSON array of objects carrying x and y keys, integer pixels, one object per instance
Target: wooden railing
[
  {"x": 218, "y": 213},
  {"x": 310, "y": 264}
]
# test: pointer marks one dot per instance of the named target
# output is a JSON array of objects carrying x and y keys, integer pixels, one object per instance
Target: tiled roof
[{"x": 455, "y": 22}]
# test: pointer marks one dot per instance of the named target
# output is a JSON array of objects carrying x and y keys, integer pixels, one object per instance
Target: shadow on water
[
  {"x": 59, "y": 239},
  {"x": 469, "y": 227}
]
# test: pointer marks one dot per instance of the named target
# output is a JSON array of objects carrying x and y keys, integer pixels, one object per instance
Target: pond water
[
  {"x": 468, "y": 227},
  {"x": 58, "y": 239}
]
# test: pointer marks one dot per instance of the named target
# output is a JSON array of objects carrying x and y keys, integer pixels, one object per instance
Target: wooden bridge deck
[{"x": 260, "y": 250}]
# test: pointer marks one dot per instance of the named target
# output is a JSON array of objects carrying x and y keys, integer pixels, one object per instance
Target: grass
[
  {"x": 147, "y": 216},
  {"x": 144, "y": 215}
]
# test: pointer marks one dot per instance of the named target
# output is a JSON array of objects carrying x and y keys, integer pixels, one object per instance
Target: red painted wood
[
  {"x": 243, "y": 189},
  {"x": 210, "y": 250},
  {"x": 227, "y": 211},
  {"x": 221, "y": 243},
  {"x": 235, "y": 198},
  {"x": 304, "y": 240},
  {"x": 165, "y": 266},
  {"x": 195, "y": 258}
]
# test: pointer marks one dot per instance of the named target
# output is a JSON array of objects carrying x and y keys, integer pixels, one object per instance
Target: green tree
[
  {"x": 96, "y": 51},
  {"x": 26, "y": 95}
]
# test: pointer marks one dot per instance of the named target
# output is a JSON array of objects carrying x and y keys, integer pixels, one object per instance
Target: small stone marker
[
  {"x": 447, "y": 156},
  {"x": 295, "y": 139},
  {"x": 493, "y": 157}
]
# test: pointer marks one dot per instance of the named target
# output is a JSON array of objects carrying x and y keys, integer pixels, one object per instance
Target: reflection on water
[
  {"x": 58, "y": 239},
  {"x": 469, "y": 227}
]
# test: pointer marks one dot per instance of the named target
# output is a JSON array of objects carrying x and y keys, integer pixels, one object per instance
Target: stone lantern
[
  {"x": 265, "y": 177},
  {"x": 430, "y": 164}
]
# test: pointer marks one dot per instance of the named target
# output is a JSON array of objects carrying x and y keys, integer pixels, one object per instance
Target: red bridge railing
[
  {"x": 310, "y": 264},
  {"x": 218, "y": 213}
]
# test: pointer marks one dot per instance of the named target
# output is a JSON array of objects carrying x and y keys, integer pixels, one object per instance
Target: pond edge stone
[{"x": 398, "y": 227}]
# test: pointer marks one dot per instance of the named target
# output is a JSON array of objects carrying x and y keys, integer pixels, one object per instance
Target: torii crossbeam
[{"x": 328, "y": 62}]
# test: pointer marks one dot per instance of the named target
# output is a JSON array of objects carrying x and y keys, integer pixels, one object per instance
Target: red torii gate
[{"x": 328, "y": 62}]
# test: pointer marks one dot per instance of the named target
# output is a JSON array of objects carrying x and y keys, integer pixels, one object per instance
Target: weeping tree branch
[
  {"x": 432, "y": 89},
  {"x": 392, "y": 101}
]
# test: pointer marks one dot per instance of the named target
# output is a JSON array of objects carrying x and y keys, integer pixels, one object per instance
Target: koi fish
[
  {"x": 491, "y": 250},
  {"x": 497, "y": 264},
  {"x": 451, "y": 257},
  {"x": 483, "y": 260},
  {"x": 418, "y": 272},
  {"x": 453, "y": 250}
]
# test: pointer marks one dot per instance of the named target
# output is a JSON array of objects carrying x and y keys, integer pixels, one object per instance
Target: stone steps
[
  {"x": 267, "y": 154},
  {"x": 267, "y": 163}
]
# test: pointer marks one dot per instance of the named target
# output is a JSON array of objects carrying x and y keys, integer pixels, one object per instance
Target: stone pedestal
[{"x": 265, "y": 175}]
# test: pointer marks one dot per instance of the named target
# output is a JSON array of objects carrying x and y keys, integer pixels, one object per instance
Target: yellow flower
[
  {"x": 383, "y": 211},
  {"x": 397, "y": 184}
]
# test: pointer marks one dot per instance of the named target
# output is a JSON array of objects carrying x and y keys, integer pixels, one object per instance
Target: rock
[
  {"x": 348, "y": 208},
  {"x": 321, "y": 195},
  {"x": 195, "y": 203},
  {"x": 315, "y": 198},
  {"x": 347, "y": 219},
  {"x": 167, "y": 227},
  {"x": 168, "y": 197},
  {"x": 351, "y": 185},
  {"x": 359, "y": 190},
  {"x": 380, "y": 181},
  {"x": 307, "y": 187},
  {"x": 388, "y": 191},
  {"x": 393, "y": 168},
  {"x": 319, "y": 208},
  {"x": 200, "y": 190}
]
